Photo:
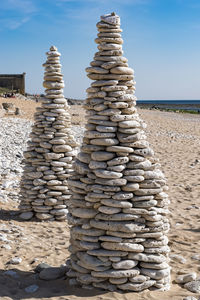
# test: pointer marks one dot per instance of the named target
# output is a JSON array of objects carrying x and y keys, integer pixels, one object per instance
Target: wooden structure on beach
[{"x": 14, "y": 82}]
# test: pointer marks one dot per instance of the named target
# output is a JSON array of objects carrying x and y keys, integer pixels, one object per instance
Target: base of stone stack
[
  {"x": 29, "y": 215},
  {"x": 118, "y": 282}
]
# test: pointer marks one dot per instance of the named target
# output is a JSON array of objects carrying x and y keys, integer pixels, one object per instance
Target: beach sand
[{"x": 175, "y": 139}]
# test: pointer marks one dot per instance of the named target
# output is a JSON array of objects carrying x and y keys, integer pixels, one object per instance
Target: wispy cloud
[
  {"x": 14, "y": 24},
  {"x": 91, "y": 8},
  {"x": 15, "y": 13},
  {"x": 20, "y": 6},
  {"x": 108, "y": 2}
]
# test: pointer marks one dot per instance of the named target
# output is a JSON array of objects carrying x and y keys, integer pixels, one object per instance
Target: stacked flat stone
[
  {"x": 118, "y": 210},
  {"x": 50, "y": 152}
]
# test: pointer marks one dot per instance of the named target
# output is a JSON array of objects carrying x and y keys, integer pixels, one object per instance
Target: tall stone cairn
[
  {"x": 118, "y": 207},
  {"x": 50, "y": 152}
]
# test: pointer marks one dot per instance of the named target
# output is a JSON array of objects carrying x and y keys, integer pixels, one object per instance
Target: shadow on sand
[
  {"x": 8, "y": 215},
  {"x": 14, "y": 287}
]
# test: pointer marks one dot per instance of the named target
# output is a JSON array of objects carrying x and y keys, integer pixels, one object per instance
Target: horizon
[{"x": 161, "y": 43}]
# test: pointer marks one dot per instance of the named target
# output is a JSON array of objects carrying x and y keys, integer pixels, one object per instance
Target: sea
[{"x": 171, "y": 104}]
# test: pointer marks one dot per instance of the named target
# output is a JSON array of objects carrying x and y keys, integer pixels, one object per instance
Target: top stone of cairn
[{"x": 112, "y": 19}]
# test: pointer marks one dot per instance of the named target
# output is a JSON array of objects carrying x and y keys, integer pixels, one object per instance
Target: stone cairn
[
  {"x": 118, "y": 207},
  {"x": 50, "y": 152}
]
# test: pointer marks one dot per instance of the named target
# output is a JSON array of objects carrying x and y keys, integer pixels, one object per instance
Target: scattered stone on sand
[
  {"x": 193, "y": 286},
  {"x": 177, "y": 257},
  {"x": 15, "y": 260},
  {"x": 186, "y": 278},
  {"x": 31, "y": 288},
  {"x": 11, "y": 273},
  {"x": 52, "y": 273}
]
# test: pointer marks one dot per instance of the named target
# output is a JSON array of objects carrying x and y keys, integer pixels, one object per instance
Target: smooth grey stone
[
  {"x": 97, "y": 70},
  {"x": 139, "y": 279},
  {"x": 101, "y": 83},
  {"x": 26, "y": 215},
  {"x": 135, "y": 178},
  {"x": 107, "y": 174},
  {"x": 121, "y": 234},
  {"x": 128, "y": 172},
  {"x": 43, "y": 216},
  {"x": 118, "y": 280},
  {"x": 108, "y": 238},
  {"x": 105, "y": 286},
  {"x": 101, "y": 128},
  {"x": 144, "y": 192},
  {"x": 160, "y": 250},
  {"x": 155, "y": 274},
  {"x": 31, "y": 288},
  {"x": 102, "y": 156},
  {"x": 78, "y": 268},
  {"x": 144, "y": 204},
  {"x": 97, "y": 164},
  {"x": 119, "y": 149},
  {"x": 193, "y": 286},
  {"x": 50, "y": 156},
  {"x": 108, "y": 76},
  {"x": 112, "y": 273},
  {"x": 137, "y": 287},
  {"x": 186, "y": 278},
  {"x": 118, "y": 168},
  {"x": 119, "y": 217},
  {"x": 155, "y": 243},
  {"x": 115, "y": 258},
  {"x": 178, "y": 258},
  {"x": 11, "y": 273},
  {"x": 156, "y": 266},
  {"x": 123, "y": 246},
  {"x": 88, "y": 279},
  {"x": 128, "y": 124},
  {"x": 109, "y": 210},
  {"x": 105, "y": 188},
  {"x": 97, "y": 195},
  {"x": 81, "y": 168},
  {"x": 149, "y": 258},
  {"x": 117, "y": 226},
  {"x": 125, "y": 264},
  {"x": 112, "y": 182},
  {"x": 90, "y": 148},
  {"x": 106, "y": 253},
  {"x": 118, "y": 161},
  {"x": 116, "y": 203},
  {"x": 89, "y": 232},
  {"x": 89, "y": 245},
  {"x": 104, "y": 141},
  {"x": 84, "y": 157},
  {"x": 15, "y": 260},
  {"x": 131, "y": 187},
  {"x": 41, "y": 266},
  {"x": 92, "y": 134},
  {"x": 87, "y": 213}
]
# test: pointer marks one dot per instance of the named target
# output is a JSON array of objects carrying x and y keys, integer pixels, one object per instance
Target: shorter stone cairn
[
  {"x": 50, "y": 152},
  {"x": 118, "y": 210}
]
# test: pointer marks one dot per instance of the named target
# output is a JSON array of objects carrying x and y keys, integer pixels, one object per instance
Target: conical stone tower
[
  {"x": 50, "y": 152},
  {"x": 118, "y": 207}
]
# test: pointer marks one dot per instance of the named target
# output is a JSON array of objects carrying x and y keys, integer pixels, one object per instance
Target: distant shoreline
[{"x": 190, "y": 106}]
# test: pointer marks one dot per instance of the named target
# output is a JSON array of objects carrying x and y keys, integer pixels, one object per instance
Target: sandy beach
[{"x": 175, "y": 139}]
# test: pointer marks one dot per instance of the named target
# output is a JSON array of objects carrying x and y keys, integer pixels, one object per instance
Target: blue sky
[{"x": 161, "y": 42}]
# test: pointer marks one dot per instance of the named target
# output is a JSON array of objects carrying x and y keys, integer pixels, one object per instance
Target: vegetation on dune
[{"x": 4, "y": 90}]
